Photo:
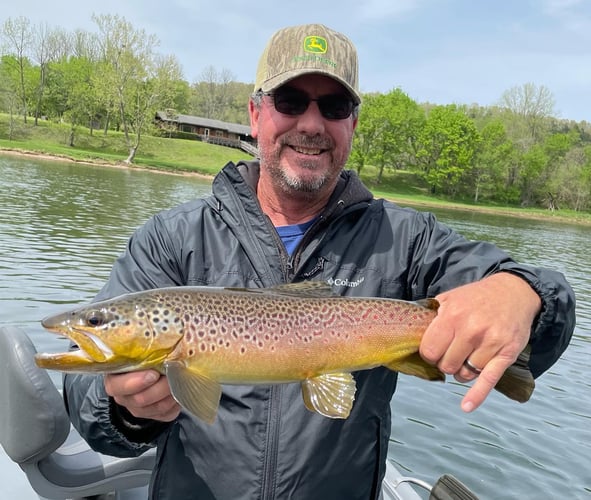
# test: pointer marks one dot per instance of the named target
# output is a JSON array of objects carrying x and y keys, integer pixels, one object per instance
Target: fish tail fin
[
  {"x": 517, "y": 383},
  {"x": 413, "y": 364}
]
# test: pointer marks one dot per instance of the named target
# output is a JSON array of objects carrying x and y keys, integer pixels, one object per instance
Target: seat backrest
[{"x": 33, "y": 420}]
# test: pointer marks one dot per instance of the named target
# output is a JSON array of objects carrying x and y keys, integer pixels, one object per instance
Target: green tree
[
  {"x": 531, "y": 105},
  {"x": 399, "y": 121},
  {"x": 387, "y": 131},
  {"x": 17, "y": 38},
  {"x": 217, "y": 95},
  {"x": 71, "y": 94},
  {"x": 8, "y": 92},
  {"x": 572, "y": 183},
  {"x": 365, "y": 132},
  {"x": 447, "y": 144},
  {"x": 47, "y": 45},
  {"x": 488, "y": 177},
  {"x": 136, "y": 80}
]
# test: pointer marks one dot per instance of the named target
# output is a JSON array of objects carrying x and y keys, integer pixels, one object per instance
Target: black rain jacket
[{"x": 265, "y": 444}]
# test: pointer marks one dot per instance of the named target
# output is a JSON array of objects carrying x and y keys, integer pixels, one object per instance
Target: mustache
[{"x": 306, "y": 141}]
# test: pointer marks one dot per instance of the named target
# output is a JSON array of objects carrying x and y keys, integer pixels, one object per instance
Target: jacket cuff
[
  {"x": 547, "y": 310},
  {"x": 135, "y": 429}
]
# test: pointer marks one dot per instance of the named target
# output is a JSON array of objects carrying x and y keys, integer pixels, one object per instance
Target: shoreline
[
  {"x": 508, "y": 212},
  {"x": 97, "y": 163}
]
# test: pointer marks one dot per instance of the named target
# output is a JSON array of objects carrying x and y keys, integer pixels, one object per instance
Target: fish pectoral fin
[
  {"x": 194, "y": 391},
  {"x": 413, "y": 364},
  {"x": 331, "y": 394},
  {"x": 517, "y": 383}
]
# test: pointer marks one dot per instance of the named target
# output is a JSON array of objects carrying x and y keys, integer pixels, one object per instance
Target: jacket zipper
[{"x": 272, "y": 444}]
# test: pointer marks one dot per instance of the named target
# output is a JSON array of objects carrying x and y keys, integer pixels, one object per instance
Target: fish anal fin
[
  {"x": 331, "y": 394},
  {"x": 413, "y": 364},
  {"x": 194, "y": 391},
  {"x": 517, "y": 383}
]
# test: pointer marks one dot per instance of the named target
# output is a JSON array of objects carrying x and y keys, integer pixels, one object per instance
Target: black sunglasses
[{"x": 295, "y": 102}]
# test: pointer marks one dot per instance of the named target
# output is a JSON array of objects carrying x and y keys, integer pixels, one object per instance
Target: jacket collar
[{"x": 244, "y": 177}]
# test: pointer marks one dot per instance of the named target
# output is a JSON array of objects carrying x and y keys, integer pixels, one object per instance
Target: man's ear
[{"x": 253, "y": 113}]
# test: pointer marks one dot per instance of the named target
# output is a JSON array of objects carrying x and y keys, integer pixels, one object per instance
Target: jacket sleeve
[
  {"x": 443, "y": 259},
  {"x": 149, "y": 261}
]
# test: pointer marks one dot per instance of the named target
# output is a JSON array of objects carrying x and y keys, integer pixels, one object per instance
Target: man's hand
[
  {"x": 146, "y": 394},
  {"x": 488, "y": 323}
]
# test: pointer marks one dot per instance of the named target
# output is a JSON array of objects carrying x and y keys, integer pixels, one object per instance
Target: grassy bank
[
  {"x": 160, "y": 153},
  {"x": 183, "y": 156}
]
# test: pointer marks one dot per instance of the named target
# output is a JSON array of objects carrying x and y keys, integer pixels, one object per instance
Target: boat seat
[{"x": 35, "y": 432}]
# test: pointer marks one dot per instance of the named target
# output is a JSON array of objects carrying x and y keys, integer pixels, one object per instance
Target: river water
[{"x": 63, "y": 224}]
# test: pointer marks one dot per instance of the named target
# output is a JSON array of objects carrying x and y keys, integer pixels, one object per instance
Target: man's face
[{"x": 303, "y": 153}]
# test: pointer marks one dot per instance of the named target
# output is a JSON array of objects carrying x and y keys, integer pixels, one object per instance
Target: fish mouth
[
  {"x": 90, "y": 346},
  {"x": 92, "y": 355}
]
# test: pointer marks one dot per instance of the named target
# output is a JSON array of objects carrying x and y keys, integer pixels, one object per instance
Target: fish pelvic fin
[
  {"x": 331, "y": 394},
  {"x": 413, "y": 364},
  {"x": 193, "y": 390},
  {"x": 517, "y": 383}
]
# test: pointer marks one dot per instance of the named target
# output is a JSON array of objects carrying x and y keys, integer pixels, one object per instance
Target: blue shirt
[{"x": 293, "y": 234}]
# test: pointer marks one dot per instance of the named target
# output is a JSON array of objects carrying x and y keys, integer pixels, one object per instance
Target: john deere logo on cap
[{"x": 315, "y": 44}]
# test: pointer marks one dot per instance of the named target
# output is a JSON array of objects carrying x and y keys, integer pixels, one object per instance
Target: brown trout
[{"x": 202, "y": 337}]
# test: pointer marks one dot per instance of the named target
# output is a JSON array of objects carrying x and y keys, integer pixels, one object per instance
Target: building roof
[{"x": 198, "y": 121}]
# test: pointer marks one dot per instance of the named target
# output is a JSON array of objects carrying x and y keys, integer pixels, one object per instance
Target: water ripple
[{"x": 62, "y": 225}]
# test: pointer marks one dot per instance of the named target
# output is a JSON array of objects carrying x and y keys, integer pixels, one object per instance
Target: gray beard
[{"x": 291, "y": 184}]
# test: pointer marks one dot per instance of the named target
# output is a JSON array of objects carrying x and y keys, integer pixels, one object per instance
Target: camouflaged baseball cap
[{"x": 305, "y": 49}]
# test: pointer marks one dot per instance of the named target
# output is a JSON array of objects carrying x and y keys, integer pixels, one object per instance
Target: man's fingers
[
  {"x": 484, "y": 384},
  {"x": 128, "y": 384}
]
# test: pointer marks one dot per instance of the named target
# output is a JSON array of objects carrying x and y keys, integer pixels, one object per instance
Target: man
[{"x": 297, "y": 215}]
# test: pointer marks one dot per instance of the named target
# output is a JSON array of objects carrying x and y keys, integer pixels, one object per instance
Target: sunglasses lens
[
  {"x": 291, "y": 103},
  {"x": 335, "y": 107},
  {"x": 332, "y": 106}
]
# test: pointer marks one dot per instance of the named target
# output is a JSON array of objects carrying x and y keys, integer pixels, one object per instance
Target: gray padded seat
[{"x": 35, "y": 433}]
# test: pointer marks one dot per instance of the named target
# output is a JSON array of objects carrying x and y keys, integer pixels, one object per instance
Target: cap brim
[{"x": 279, "y": 80}]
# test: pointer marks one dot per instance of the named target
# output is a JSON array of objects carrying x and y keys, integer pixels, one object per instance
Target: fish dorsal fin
[
  {"x": 413, "y": 364},
  {"x": 331, "y": 394},
  {"x": 310, "y": 289},
  {"x": 194, "y": 391}
]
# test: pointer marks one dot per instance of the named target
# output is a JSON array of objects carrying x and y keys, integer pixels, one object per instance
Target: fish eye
[{"x": 95, "y": 318}]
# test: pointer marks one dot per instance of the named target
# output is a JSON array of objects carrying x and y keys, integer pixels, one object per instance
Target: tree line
[
  {"x": 110, "y": 79},
  {"x": 515, "y": 152}
]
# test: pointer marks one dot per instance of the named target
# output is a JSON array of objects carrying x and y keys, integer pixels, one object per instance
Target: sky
[{"x": 437, "y": 51}]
